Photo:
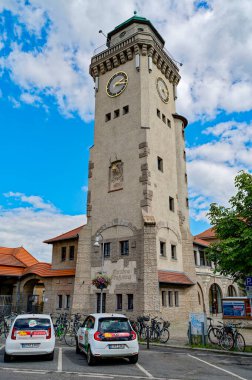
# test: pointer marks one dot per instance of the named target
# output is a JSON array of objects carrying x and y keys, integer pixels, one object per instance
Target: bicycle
[
  {"x": 213, "y": 332},
  {"x": 4, "y": 329},
  {"x": 71, "y": 332},
  {"x": 61, "y": 325},
  {"x": 239, "y": 341}
]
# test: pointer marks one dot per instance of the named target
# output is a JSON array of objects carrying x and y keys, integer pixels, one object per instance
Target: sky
[{"x": 47, "y": 105}]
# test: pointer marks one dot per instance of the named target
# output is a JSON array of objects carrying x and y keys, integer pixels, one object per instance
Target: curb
[{"x": 222, "y": 352}]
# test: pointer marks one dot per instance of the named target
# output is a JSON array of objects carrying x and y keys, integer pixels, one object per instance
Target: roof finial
[{"x": 135, "y": 12}]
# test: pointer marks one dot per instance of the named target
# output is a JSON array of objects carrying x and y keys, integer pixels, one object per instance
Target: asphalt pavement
[{"x": 158, "y": 363}]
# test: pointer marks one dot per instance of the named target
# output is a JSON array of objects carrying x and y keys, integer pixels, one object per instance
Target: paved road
[{"x": 158, "y": 363}]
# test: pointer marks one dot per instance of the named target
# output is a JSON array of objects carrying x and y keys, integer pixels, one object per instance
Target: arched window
[
  {"x": 231, "y": 291},
  {"x": 215, "y": 296}
]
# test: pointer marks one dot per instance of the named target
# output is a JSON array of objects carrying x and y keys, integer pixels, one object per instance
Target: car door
[{"x": 84, "y": 332}]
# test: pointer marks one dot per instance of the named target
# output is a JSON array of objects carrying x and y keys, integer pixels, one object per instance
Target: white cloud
[
  {"x": 214, "y": 44},
  {"x": 30, "y": 226},
  {"x": 84, "y": 188}
]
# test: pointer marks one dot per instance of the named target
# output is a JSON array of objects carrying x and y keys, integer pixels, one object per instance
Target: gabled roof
[
  {"x": 207, "y": 234},
  {"x": 174, "y": 278},
  {"x": 45, "y": 270},
  {"x": 73, "y": 234},
  {"x": 198, "y": 241},
  {"x": 16, "y": 257}
]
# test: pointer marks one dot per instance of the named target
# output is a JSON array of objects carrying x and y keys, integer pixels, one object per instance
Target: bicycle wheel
[
  {"x": 213, "y": 335},
  {"x": 226, "y": 341},
  {"x": 143, "y": 333},
  {"x": 240, "y": 342},
  {"x": 69, "y": 337},
  {"x": 164, "y": 336}
]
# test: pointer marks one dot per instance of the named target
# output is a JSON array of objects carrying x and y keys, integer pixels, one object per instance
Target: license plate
[
  {"x": 116, "y": 346},
  {"x": 29, "y": 345}
]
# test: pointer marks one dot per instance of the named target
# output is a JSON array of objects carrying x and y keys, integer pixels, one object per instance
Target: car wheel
[
  {"x": 50, "y": 356},
  {"x": 90, "y": 357},
  {"x": 77, "y": 348},
  {"x": 133, "y": 359},
  {"x": 7, "y": 358}
]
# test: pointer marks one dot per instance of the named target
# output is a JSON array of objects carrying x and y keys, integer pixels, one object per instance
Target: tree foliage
[{"x": 232, "y": 253}]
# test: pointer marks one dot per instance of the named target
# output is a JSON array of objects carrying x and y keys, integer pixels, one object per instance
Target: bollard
[
  {"x": 203, "y": 340},
  {"x": 190, "y": 332},
  {"x": 148, "y": 337}
]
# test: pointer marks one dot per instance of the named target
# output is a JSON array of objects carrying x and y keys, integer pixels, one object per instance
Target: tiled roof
[
  {"x": 176, "y": 278},
  {"x": 10, "y": 271},
  {"x": 45, "y": 270},
  {"x": 67, "y": 235},
  {"x": 20, "y": 254},
  {"x": 10, "y": 260},
  {"x": 196, "y": 240},
  {"x": 207, "y": 234}
]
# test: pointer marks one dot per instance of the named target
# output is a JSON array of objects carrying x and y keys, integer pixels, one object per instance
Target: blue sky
[{"x": 47, "y": 104}]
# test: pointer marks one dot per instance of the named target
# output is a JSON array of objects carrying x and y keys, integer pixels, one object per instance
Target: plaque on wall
[{"x": 116, "y": 176}]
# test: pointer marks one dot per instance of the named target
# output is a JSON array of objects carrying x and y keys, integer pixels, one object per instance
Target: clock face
[
  {"x": 162, "y": 90},
  {"x": 117, "y": 84}
]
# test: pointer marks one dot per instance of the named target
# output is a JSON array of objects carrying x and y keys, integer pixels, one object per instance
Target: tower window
[
  {"x": 185, "y": 178},
  {"x": 158, "y": 113},
  {"x": 162, "y": 249},
  {"x": 140, "y": 29},
  {"x": 171, "y": 204},
  {"x": 183, "y": 133},
  {"x": 60, "y": 301},
  {"x": 125, "y": 110},
  {"x": 176, "y": 298},
  {"x": 170, "y": 298},
  {"x": 71, "y": 253},
  {"x": 67, "y": 301},
  {"x": 163, "y": 118},
  {"x": 106, "y": 249},
  {"x": 63, "y": 253},
  {"x": 187, "y": 202},
  {"x": 169, "y": 123},
  {"x": 130, "y": 302},
  {"x": 124, "y": 247},
  {"x": 107, "y": 117},
  {"x": 164, "y": 300},
  {"x": 119, "y": 302},
  {"x": 184, "y": 154},
  {"x": 116, "y": 113},
  {"x": 173, "y": 252},
  {"x": 160, "y": 164}
]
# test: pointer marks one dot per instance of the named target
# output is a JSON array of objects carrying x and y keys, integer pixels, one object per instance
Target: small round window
[
  {"x": 122, "y": 34},
  {"x": 140, "y": 29}
]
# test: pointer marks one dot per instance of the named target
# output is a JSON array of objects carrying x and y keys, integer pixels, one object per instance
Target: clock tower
[{"x": 137, "y": 206}]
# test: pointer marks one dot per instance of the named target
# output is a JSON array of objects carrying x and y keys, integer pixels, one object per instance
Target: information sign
[{"x": 196, "y": 319}]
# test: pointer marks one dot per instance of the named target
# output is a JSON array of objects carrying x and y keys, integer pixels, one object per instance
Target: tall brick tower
[{"x": 137, "y": 198}]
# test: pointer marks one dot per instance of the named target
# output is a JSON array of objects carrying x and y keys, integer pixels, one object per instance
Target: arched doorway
[
  {"x": 215, "y": 296},
  {"x": 201, "y": 297},
  {"x": 231, "y": 291},
  {"x": 33, "y": 296}
]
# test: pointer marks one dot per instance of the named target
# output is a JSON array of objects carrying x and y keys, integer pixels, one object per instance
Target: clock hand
[{"x": 119, "y": 83}]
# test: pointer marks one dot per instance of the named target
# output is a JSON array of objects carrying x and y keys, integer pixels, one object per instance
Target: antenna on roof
[
  {"x": 100, "y": 31},
  {"x": 135, "y": 12}
]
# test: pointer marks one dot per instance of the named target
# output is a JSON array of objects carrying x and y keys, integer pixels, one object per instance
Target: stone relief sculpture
[{"x": 116, "y": 175}]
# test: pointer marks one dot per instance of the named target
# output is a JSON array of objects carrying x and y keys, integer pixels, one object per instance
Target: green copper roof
[{"x": 133, "y": 18}]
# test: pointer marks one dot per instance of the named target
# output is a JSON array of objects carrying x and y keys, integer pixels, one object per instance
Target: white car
[
  {"x": 30, "y": 334},
  {"x": 107, "y": 335}
]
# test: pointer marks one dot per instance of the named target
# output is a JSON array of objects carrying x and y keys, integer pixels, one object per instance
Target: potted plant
[{"x": 101, "y": 281}]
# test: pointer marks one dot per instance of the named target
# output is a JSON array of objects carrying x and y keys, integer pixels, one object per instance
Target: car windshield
[
  {"x": 113, "y": 324},
  {"x": 32, "y": 324}
]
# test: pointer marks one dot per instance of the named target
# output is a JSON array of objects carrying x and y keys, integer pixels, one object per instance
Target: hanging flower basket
[{"x": 101, "y": 281}]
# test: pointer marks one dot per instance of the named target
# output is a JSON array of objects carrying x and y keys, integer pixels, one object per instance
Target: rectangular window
[
  {"x": 63, "y": 253},
  {"x": 169, "y": 123},
  {"x": 106, "y": 248},
  {"x": 119, "y": 302},
  {"x": 59, "y": 301},
  {"x": 176, "y": 298},
  {"x": 171, "y": 204},
  {"x": 162, "y": 249},
  {"x": 173, "y": 252},
  {"x": 158, "y": 113},
  {"x": 116, "y": 113},
  {"x": 68, "y": 301},
  {"x": 124, "y": 247},
  {"x": 71, "y": 253},
  {"x": 184, "y": 155},
  {"x": 187, "y": 202},
  {"x": 202, "y": 258},
  {"x": 160, "y": 164},
  {"x": 164, "y": 299},
  {"x": 98, "y": 302},
  {"x": 170, "y": 298},
  {"x": 130, "y": 302},
  {"x": 195, "y": 257},
  {"x": 183, "y": 134},
  {"x": 107, "y": 117},
  {"x": 163, "y": 118},
  {"x": 125, "y": 110},
  {"x": 185, "y": 178}
]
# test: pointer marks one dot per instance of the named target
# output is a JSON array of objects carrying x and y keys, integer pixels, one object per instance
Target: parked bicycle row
[
  {"x": 226, "y": 336},
  {"x": 152, "y": 328}
]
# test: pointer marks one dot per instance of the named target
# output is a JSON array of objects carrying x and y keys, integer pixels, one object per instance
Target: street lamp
[{"x": 97, "y": 243}]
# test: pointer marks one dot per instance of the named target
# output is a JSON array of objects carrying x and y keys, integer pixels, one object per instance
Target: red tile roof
[
  {"x": 18, "y": 253},
  {"x": 10, "y": 271},
  {"x": 45, "y": 270},
  {"x": 10, "y": 260},
  {"x": 201, "y": 242},
  {"x": 207, "y": 234},
  {"x": 73, "y": 234},
  {"x": 170, "y": 277}
]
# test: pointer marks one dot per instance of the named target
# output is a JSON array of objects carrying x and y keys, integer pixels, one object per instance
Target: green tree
[{"x": 232, "y": 253}]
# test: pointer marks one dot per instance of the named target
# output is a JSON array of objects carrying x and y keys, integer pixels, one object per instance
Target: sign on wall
[{"x": 196, "y": 320}]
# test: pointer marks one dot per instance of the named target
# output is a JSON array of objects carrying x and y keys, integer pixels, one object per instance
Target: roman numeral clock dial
[
  {"x": 162, "y": 90},
  {"x": 117, "y": 84}
]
